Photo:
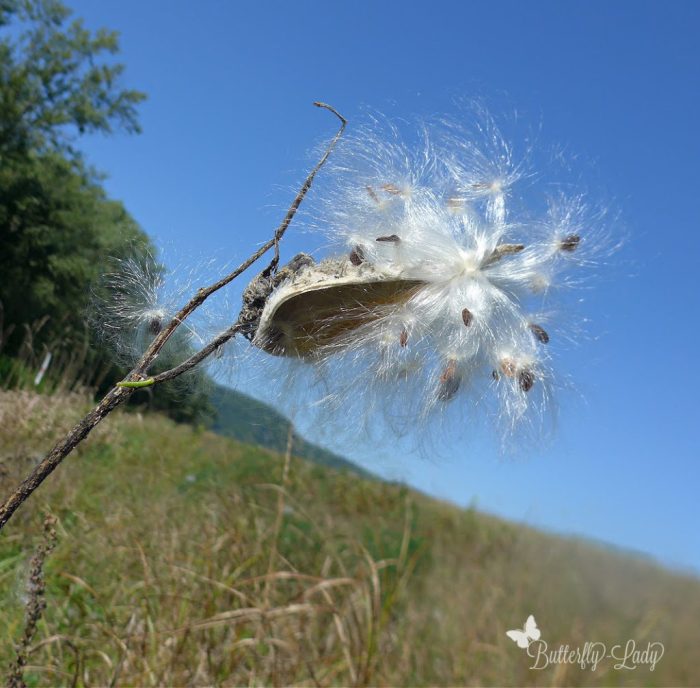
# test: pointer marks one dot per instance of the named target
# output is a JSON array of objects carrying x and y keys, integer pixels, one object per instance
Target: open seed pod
[{"x": 320, "y": 305}]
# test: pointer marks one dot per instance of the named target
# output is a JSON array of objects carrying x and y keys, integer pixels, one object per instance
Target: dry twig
[{"x": 35, "y": 603}]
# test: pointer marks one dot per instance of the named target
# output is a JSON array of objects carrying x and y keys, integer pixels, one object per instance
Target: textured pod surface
[{"x": 319, "y": 307}]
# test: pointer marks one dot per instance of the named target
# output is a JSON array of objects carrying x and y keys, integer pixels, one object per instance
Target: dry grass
[
  {"x": 73, "y": 365},
  {"x": 188, "y": 559}
]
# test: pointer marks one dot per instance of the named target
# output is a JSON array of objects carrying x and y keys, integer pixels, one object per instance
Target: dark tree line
[{"x": 58, "y": 228}]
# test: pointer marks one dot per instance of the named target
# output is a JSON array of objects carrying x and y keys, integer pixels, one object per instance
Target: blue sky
[{"x": 227, "y": 132}]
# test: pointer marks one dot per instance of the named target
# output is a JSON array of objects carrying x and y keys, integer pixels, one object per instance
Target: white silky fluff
[{"x": 451, "y": 196}]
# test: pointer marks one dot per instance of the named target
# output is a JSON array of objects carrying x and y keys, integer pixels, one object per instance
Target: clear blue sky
[{"x": 227, "y": 131}]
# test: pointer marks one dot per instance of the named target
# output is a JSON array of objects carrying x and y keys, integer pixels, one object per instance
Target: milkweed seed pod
[{"x": 439, "y": 279}]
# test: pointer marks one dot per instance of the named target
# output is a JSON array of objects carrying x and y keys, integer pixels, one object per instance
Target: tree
[
  {"x": 58, "y": 228},
  {"x": 57, "y": 225},
  {"x": 56, "y": 80}
]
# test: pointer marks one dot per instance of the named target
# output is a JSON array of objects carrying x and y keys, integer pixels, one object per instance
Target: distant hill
[{"x": 248, "y": 420}]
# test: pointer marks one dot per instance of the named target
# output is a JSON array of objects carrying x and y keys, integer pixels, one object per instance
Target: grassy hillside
[
  {"x": 248, "y": 420},
  {"x": 185, "y": 558}
]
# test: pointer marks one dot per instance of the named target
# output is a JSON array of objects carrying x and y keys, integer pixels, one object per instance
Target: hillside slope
[
  {"x": 248, "y": 420},
  {"x": 185, "y": 558}
]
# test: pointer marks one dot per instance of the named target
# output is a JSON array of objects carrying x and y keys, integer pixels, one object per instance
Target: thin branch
[
  {"x": 204, "y": 293},
  {"x": 120, "y": 393},
  {"x": 197, "y": 357},
  {"x": 305, "y": 188},
  {"x": 226, "y": 335}
]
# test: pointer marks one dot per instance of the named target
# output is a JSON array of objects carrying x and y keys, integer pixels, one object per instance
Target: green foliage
[
  {"x": 58, "y": 229},
  {"x": 57, "y": 225},
  {"x": 57, "y": 79}
]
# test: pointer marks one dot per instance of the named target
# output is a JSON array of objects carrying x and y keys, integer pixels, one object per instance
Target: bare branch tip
[{"x": 326, "y": 106}]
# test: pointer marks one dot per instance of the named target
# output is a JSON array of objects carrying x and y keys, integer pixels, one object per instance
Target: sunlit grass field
[{"x": 185, "y": 558}]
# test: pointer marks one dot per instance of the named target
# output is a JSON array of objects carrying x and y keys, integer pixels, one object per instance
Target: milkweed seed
[
  {"x": 570, "y": 243},
  {"x": 155, "y": 325},
  {"x": 500, "y": 251},
  {"x": 539, "y": 332},
  {"x": 372, "y": 194},
  {"x": 526, "y": 379},
  {"x": 392, "y": 189},
  {"x": 357, "y": 256},
  {"x": 449, "y": 382}
]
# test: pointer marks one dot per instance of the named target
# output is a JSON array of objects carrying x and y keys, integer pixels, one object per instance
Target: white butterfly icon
[{"x": 525, "y": 636}]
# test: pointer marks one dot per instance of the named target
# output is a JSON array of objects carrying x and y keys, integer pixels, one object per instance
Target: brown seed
[
  {"x": 495, "y": 375},
  {"x": 449, "y": 371},
  {"x": 539, "y": 332},
  {"x": 372, "y": 194},
  {"x": 508, "y": 367},
  {"x": 449, "y": 381},
  {"x": 392, "y": 238},
  {"x": 570, "y": 243},
  {"x": 500, "y": 251},
  {"x": 467, "y": 317},
  {"x": 392, "y": 189},
  {"x": 357, "y": 256},
  {"x": 526, "y": 379},
  {"x": 403, "y": 338},
  {"x": 155, "y": 325}
]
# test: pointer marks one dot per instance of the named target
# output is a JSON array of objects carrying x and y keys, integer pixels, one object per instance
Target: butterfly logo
[{"x": 528, "y": 633}]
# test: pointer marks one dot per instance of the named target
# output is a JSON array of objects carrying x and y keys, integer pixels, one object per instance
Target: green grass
[{"x": 185, "y": 558}]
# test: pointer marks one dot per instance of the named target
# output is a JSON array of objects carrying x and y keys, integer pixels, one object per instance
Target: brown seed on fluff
[
  {"x": 357, "y": 256},
  {"x": 526, "y": 379},
  {"x": 539, "y": 332},
  {"x": 570, "y": 243},
  {"x": 449, "y": 381},
  {"x": 392, "y": 189}
]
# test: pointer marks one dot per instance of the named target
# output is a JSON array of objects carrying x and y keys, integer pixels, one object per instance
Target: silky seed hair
[
  {"x": 134, "y": 300},
  {"x": 491, "y": 245}
]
